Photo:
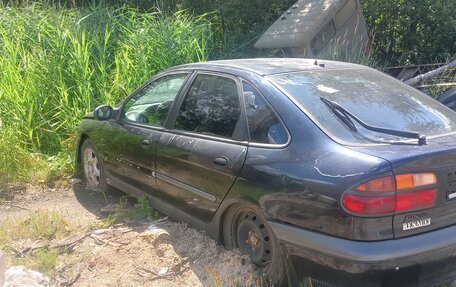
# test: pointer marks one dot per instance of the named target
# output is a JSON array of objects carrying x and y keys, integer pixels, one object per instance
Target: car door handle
[
  {"x": 221, "y": 161},
  {"x": 146, "y": 142}
]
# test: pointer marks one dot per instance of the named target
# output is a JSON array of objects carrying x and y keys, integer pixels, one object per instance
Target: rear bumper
[{"x": 421, "y": 260}]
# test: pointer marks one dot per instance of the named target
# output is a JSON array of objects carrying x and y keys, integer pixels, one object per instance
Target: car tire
[
  {"x": 92, "y": 167},
  {"x": 246, "y": 229}
]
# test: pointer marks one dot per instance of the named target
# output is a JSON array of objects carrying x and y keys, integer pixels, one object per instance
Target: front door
[
  {"x": 200, "y": 157},
  {"x": 133, "y": 139}
]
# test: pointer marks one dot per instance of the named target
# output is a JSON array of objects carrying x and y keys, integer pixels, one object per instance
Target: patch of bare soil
[
  {"x": 142, "y": 253},
  {"x": 167, "y": 254}
]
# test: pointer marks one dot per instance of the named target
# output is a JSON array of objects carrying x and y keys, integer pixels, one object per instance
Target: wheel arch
[
  {"x": 216, "y": 229},
  {"x": 272, "y": 253},
  {"x": 83, "y": 137}
]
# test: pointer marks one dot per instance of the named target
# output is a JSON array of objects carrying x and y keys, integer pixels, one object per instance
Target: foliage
[
  {"x": 237, "y": 23},
  {"x": 411, "y": 31},
  {"x": 401, "y": 31},
  {"x": 125, "y": 213},
  {"x": 15, "y": 160},
  {"x": 41, "y": 225},
  {"x": 56, "y": 64},
  {"x": 44, "y": 261},
  {"x": 61, "y": 59}
]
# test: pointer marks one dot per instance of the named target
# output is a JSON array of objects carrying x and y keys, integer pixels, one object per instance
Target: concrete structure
[{"x": 317, "y": 28}]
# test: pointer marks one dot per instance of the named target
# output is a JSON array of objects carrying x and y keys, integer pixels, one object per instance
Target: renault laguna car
[{"x": 313, "y": 168}]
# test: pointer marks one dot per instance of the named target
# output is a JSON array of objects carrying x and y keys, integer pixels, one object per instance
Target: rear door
[{"x": 200, "y": 156}]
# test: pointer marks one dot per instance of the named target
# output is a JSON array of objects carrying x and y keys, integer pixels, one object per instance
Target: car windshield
[{"x": 375, "y": 98}]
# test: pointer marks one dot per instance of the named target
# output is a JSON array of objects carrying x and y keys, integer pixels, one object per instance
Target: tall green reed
[{"x": 56, "y": 64}]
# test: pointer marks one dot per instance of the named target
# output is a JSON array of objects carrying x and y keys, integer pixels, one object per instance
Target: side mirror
[{"x": 103, "y": 113}]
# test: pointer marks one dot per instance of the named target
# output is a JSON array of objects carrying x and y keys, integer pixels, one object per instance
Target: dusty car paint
[{"x": 297, "y": 185}]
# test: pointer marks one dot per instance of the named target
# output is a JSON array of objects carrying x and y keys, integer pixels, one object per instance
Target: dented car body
[{"x": 351, "y": 172}]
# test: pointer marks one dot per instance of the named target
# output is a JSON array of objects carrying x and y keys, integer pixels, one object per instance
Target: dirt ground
[{"x": 147, "y": 252}]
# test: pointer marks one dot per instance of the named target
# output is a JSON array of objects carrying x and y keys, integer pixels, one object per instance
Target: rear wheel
[
  {"x": 245, "y": 228},
  {"x": 93, "y": 170}
]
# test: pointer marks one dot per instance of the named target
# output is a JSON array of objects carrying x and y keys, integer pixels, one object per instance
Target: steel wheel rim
[
  {"x": 91, "y": 168},
  {"x": 253, "y": 238}
]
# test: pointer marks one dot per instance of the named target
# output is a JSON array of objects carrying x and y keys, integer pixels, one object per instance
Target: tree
[{"x": 411, "y": 31}]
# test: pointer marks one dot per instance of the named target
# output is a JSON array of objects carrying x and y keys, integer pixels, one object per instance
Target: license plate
[{"x": 451, "y": 185}]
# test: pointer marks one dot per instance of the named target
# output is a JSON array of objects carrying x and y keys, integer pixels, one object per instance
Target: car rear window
[{"x": 374, "y": 97}]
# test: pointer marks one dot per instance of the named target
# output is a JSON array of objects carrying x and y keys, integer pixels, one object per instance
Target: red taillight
[
  {"x": 392, "y": 194},
  {"x": 369, "y": 205},
  {"x": 415, "y": 200}
]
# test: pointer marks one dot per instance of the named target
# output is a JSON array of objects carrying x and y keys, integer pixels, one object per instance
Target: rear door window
[
  {"x": 264, "y": 125},
  {"x": 211, "y": 106}
]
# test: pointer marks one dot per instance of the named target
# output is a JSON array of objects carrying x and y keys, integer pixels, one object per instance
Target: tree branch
[{"x": 431, "y": 74}]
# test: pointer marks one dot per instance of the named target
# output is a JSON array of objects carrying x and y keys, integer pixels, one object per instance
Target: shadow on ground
[
  {"x": 156, "y": 252},
  {"x": 95, "y": 202}
]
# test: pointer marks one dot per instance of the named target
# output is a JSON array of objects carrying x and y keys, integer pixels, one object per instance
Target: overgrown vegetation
[
  {"x": 38, "y": 228},
  {"x": 125, "y": 213},
  {"x": 401, "y": 31},
  {"x": 60, "y": 59},
  {"x": 44, "y": 261},
  {"x": 39, "y": 238},
  {"x": 411, "y": 32},
  {"x": 56, "y": 64},
  {"x": 42, "y": 225}
]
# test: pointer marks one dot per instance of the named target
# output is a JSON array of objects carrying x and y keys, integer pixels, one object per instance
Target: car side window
[
  {"x": 151, "y": 104},
  {"x": 264, "y": 125},
  {"x": 211, "y": 107}
]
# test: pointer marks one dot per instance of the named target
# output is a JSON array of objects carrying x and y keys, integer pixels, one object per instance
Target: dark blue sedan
[{"x": 313, "y": 168}]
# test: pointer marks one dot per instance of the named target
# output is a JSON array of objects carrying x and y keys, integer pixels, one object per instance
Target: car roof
[{"x": 268, "y": 66}]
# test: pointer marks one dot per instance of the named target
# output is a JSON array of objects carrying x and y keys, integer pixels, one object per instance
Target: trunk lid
[{"x": 439, "y": 157}]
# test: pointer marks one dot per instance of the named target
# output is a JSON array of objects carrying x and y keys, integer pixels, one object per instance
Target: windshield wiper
[{"x": 345, "y": 115}]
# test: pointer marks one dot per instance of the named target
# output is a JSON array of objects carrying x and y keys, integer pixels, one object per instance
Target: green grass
[
  {"x": 56, "y": 64},
  {"x": 44, "y": 261},
  {"x": 125, "y": 214},
  {"x": 42, "y": 225}
]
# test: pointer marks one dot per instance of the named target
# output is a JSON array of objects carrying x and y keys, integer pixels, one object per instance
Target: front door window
[{"x": 151, "y": 105}]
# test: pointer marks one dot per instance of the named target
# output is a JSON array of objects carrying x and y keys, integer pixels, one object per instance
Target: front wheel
[
  {"x": 92, "y": 166},
  {"x": 245, "y": 228}
]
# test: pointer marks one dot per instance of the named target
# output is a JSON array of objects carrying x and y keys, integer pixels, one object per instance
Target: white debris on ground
[
  {"x": 2, "y": 268},
  {"x": 17, "y": 276}
]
